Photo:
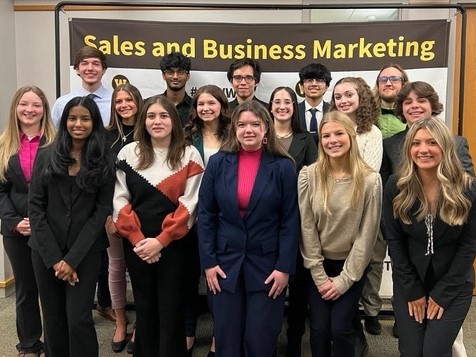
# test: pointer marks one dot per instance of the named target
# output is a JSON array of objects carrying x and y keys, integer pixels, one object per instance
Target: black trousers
[
  {"x": 67, "y": 316},
  {"x": 158, "y": 294},
  {"x": 330, "y": 321},
  {"x": 28, "y": 317},
  {"x": 432, "y": 337}
]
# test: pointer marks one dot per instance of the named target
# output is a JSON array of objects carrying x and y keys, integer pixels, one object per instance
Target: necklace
[
  {"x": 285, "y": 136},
  {"x": 124, "y": 137},
  {"x": 341, "y": 177},
  {"x": 210, "y": 134}
]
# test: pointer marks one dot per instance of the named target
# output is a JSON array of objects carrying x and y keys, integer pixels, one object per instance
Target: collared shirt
[
  {"x": 319, "y": 114},
  {"x": 183, "y": 108},
  {"x": 102, "y": 97},
  {"x": 27, "y": 153},
  {"x": 389, "y": 124}
]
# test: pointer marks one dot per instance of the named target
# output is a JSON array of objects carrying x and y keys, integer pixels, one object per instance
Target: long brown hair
[{"x": 145, "y": 150}]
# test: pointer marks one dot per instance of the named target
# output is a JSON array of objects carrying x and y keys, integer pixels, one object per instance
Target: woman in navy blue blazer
[
  {"x": 430, "y": 226},
  {"x": 248, "y": 231}
]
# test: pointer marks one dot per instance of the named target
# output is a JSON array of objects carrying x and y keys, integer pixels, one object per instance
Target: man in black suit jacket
[{"x": 314, "y": 79}]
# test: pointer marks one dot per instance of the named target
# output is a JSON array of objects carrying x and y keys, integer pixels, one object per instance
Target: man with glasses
[
  {"x": 314, "y": 79},
  {"x": 175, "y": 69},
  {"x": 391, "y": 78},
  {"x": 244, "y": 75}
]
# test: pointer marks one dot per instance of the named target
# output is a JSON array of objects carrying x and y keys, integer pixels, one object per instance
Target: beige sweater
[{"x": 345, "y": 234}]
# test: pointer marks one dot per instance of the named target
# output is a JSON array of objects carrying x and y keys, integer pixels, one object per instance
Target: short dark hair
[
  {"x": 315, "y": 71},
  {"x": 175, "y": 60},
  {"x": 245, "y": 62},
  {"x": 89, "y": 52},
  {"x": 422, "y": 90}
]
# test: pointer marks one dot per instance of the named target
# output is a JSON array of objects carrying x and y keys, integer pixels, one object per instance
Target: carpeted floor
[{"x": 383, "y": 345}]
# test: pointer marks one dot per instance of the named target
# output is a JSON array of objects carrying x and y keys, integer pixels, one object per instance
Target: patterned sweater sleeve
[
  {"x": 310, "y": 244},
  {"x": 177, "y": 224},
  {"x": 126, "y": 220},
  {"x": 371, "y": 148}
]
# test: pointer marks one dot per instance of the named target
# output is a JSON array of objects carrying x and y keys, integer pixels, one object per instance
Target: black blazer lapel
[
  {"x": 230, "y": 175},
  {"x": 17, "y": 171}
]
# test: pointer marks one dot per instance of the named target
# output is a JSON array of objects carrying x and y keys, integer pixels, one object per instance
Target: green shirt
[{"x": 389, "y": 125}]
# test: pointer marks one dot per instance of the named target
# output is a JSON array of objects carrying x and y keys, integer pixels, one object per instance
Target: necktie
[
  {"x": 91, "y": 96},
  {"x": 313, "y": 123}
]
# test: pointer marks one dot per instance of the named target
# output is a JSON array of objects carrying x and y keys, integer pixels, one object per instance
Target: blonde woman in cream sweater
[{"x": 340, "y": 200}]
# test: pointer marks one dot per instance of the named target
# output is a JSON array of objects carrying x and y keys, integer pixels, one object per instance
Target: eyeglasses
[
  {"x": 392, "y": 79},
  {"x": 311, "y": 80},
  {"x": 248, "y": 79},
  {"x": 171, "y": 72},
  {"x": 285, "y": 102}
]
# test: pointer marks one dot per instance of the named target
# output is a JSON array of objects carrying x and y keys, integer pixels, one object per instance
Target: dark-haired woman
[
  {"x": 29, "y": 127},
  {"x": 155, "y": 201},
  {"x": 301, "y": 146},
  {"x": 70, "y": 198}
]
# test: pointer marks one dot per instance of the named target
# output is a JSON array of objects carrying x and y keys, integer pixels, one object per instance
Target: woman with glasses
[{"x": 301, "y": 146}]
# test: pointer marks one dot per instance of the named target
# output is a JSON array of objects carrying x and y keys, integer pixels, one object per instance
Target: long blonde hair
[
  {"x": 453, "y": 204},
  {"x": 10, "y": 138},
  {"x": 356, "y": 165}
]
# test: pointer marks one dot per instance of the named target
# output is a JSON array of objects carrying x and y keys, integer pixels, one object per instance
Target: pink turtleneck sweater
[{"x": 248, "y": 164}]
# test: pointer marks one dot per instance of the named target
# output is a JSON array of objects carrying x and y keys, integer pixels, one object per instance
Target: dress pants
[
  {"x": 67, "y": 314},
  {"x": 331, "y": 320},
  {"x": 28, "y": 317},
  {"x": 247, "y": 323},
  {"x": 158, "y": 290},
  {"x": 432, "y": 337}
]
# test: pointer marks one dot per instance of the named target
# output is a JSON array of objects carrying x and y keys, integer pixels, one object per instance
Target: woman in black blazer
[
  {"x": 69, "y": 200},
  {"x": 29, "y": 126},
  {"x": 430, "y": 226},
  {"x": 301, "y": 146}
]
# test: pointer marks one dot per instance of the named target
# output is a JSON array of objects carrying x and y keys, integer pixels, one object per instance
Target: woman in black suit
[
  {"x": 70, "y": 198},
  {"x": 430, "y": 225},
  {"x": 29, "y": 127},
  {"x": 301, "y": 146}
]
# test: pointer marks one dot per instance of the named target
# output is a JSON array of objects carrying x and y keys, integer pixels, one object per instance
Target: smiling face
[
  {"x": 313, "y": 88},
  {"x": 159, "y": 125},
  {"x": 334, "y": 140},
  {"x": 250, "y": 131},
  {"x": 175, "y": 78},
  {"x": 79, "y": 123},
  {"x": 346, "y": 99},
  {"x": 91, "y": 71},
  {"x": 388, "y": 90},
  {"x": 425, "y": 151},
  {"x": 415, "y": 108},
  {"x": 208, "y": 107},
  {"x": 243, "y": 82},
  {"x": 30, "y": 111},
  {"x": 125, "y": 107},
  {"x": 282, "y": 107}
]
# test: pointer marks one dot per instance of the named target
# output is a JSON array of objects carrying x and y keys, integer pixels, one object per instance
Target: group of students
[{"x": 248, "y": 199}]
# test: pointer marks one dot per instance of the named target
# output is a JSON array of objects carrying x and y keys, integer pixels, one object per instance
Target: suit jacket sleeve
[
  {"x": 93, "y": 226},
  {"x": 448, "y": 287},
  {"x": 9, "y": 216},
  {"x": 462, "y": 149},
  {"x": 404, "y": 272},
  {"x": 44, "y": 239},
  {"x": 207, "y": 223}
]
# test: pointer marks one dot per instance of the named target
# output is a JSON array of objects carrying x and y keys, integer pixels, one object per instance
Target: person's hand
[
  {"x": 64, "y": 271},
  {"x": 73, "y": 279},
  {"x": 324, "y": 287},
  {"x": 212, "y": 278},
  {"x": 434, "y": 310},
  {"x": 416, "y": 309},
  {"x": 280, "y": 282},
  {"x": 149, "y": 249},
  {"x": 23, "y": 227},
  {"x": 332, "y": 293}
]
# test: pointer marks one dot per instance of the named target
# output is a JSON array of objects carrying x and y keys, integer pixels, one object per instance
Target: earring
[{"x": 265, "y": 140}]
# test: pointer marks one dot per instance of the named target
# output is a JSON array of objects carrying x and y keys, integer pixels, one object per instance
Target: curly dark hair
[
  {"x": 368, "y": 111},
  {"x": 422, "y": 90},
  {"x": 175, "y": 60}
]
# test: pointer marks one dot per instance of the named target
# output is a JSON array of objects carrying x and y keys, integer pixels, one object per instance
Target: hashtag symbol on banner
[{"x": 193, "y": 91}]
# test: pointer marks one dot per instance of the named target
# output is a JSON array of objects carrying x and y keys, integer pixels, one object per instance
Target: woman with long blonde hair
[
  {"x": 340, "y": 205},
  {"x": 29, "y": 127},
  {"x": 430, "y": 225}
]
